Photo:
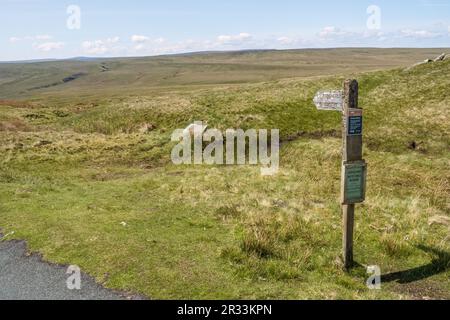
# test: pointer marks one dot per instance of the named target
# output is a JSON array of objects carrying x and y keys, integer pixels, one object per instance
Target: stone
[
  {"x": 440, "y": 58},
  {"x": 146, "y": 128}
]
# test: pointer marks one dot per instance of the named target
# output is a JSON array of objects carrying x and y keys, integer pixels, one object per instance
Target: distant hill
[{"x": 22, "y": 80}]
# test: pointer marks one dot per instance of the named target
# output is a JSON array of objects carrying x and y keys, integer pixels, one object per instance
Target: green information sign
[{"x": 354, "y": 182}]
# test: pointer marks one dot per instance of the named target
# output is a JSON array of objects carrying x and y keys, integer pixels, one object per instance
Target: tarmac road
[{"x": 29, "y": 278}]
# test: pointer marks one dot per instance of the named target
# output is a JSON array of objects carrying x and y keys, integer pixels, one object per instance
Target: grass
[
  {"x": 83, "y": 185},
  {"x": 121, "y": 77}
]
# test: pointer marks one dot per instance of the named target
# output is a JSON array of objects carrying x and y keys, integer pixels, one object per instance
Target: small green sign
[{"x": 354, "y": 182}]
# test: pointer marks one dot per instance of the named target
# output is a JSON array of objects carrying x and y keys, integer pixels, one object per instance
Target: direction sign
[
  {"x": 329, "y": 100},
  {"x": 354, "y": 168}
]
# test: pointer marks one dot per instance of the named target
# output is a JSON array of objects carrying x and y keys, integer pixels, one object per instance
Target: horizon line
[{"x": 37, "y": 60}]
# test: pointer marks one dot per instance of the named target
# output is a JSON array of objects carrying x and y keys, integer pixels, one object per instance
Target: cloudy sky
[{"x": 41, "y": 29}]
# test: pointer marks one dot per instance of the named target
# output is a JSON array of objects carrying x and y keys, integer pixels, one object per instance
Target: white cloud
[
  {"x": 332, "y": 32},
  {"x": 334, "y": 36},
  {"x": 95, "y": 47},
  {"x": 162, "y": 46},
  {"x": 373, "y": 35},
  {"x": 144, "y": 39},
  {"x": 331, "y": 36},
  {"x": 42, "y": 37},
  {"x": 287, "y": 42},
  {"x": 421, "y": 34},
  {"x": 113, "y": 40},
  {"x": 144, "y": 43},
  {"x": 139, "y": 39},
  {"x": 234, "y": 39},
  {"x": 100, "y": 47},
  {"x": 48, "y": 46}
]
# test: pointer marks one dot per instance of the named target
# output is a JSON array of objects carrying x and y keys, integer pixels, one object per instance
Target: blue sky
[{"x": 40, "y": 29}]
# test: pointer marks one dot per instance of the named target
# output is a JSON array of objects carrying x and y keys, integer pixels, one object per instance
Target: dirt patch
[
  {"x": 15, "y": 125},
  {"x": 423, "y": 290}
]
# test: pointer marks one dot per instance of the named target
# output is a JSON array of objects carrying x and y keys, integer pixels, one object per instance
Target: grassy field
[
  {"x": 84, "y": 184},
  {"x": 98, "y": 78}
]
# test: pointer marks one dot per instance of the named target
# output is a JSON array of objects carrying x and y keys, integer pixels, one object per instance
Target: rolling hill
[{"x": 121, "y": 76}]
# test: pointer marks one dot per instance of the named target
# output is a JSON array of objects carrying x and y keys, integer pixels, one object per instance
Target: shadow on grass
[{"x": 439, "y": 264}]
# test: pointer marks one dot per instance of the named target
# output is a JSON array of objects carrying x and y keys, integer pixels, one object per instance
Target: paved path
[{"x": 29, "y": 278}]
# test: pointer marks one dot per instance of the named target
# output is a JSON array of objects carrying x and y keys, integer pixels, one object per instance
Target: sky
[{"x": 47, "y": 29}]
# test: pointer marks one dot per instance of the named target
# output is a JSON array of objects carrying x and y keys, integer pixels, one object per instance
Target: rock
[
  {"x": 440, "y": 58},
  {"x": 146, "y": 128}
]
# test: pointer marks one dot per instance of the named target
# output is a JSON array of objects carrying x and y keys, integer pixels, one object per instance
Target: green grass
[{"x": 71, "y": 172}]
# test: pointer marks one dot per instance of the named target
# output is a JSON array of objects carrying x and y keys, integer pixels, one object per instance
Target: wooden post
[
  {"x": 354, "y": 168},
  {"x": 352, "y": 152}
]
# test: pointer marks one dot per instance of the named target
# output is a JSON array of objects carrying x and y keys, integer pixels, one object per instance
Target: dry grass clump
[{"x": 14, "y": 125}]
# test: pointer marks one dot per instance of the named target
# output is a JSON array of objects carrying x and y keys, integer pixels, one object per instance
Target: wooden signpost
[{"x": 354, "y": 168}]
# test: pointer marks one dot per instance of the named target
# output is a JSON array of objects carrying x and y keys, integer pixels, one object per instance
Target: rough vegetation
[{"x": 84, "y": 184}]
